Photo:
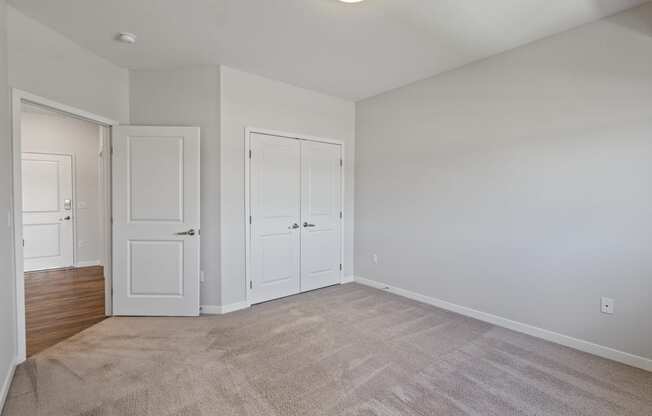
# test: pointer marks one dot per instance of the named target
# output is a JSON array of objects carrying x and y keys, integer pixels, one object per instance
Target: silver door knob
[
  {"x": 294, "y": 226},
  {"x": 305, "y": 224},
  {"x": 189, "y": 232}
]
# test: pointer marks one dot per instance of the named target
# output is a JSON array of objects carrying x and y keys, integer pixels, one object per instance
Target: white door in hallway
[
  {"x": 320, "y": 215},
  {"x": 275, "y": 194},
  {"x": 47, "y": 211},
  {"x": 156, "y": 221}
]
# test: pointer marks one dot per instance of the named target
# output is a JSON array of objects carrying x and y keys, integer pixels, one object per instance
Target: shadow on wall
[{"x": 639, "y": 20}]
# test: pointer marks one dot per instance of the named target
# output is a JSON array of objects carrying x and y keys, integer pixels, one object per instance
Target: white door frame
[
  {"x": 247, "y": 203},
  {"x": 18, "y": 98}
]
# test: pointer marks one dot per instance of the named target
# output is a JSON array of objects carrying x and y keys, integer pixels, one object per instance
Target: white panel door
[
  {"x": 275, "y": 189},
  {"x": 320, "y": 215},
  {"x": 47, "y": 211},
  {"x": 156, "y": 221}
]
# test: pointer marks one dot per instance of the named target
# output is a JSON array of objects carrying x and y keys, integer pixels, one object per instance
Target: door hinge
[
  {"x": 250, "y": 219},
  {"x": 251, "y": 284},
  {"x": 23, "y": 242},
  {"x": 341, "y": 162},
  {"x": 250, "y": 152},
  {"x": 340, "y": 266},
  {"x": 340, "y": 214}
]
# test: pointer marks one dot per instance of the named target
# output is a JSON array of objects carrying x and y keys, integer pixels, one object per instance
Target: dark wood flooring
[{"x": 60, "y": 303}]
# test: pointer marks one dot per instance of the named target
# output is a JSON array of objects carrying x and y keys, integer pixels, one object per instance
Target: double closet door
[{"x": 295, "y": 216}]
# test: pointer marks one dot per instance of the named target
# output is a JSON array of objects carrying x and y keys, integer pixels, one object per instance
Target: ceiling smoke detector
[{"x": 126, "y": 37}]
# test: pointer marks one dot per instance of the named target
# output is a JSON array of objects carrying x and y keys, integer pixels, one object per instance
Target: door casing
[
  {"x": 247, "y": 203},
  {"x": 18, "y": 98}
]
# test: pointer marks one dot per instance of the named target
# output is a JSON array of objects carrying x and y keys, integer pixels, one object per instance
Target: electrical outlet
[
  {"x": 607, "y": 306},
  {"x": 374, "y": 258},
  {"x": 202, "y": 278}
]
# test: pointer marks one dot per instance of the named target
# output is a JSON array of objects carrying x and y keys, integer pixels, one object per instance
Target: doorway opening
[{"x": 62, "y": 220}]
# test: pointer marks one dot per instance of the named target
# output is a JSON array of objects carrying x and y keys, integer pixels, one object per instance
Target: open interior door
[{"x": 156, "y": 221}]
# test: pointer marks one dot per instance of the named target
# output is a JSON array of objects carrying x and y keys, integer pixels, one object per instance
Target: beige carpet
[{"x": 347, "y": 350}]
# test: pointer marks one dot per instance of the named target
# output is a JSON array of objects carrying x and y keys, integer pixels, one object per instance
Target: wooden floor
[{"x": 60, "y": 303}]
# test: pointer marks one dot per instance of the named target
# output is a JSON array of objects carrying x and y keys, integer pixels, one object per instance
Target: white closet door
[
  {"x": 275, "y": 190},
  {"x": 47, "y": 211},
  {"x": 320, "y": 215}
]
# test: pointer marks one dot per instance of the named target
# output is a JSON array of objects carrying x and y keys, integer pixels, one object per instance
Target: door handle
[
  {"x": 305, "y": 224},
  {"x": 189, "y": 232},
  {"x": 293, "y": 226},
  {"x": 67, "y": 218}
]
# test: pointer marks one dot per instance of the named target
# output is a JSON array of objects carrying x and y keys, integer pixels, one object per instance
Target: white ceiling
[{"x": 347, "y": 50}]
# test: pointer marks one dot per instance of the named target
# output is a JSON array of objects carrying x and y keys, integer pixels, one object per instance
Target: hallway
[{"x": 60, "y": 303}]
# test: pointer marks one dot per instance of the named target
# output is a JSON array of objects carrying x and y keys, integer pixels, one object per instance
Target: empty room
[{"x": 325, "y": 207}]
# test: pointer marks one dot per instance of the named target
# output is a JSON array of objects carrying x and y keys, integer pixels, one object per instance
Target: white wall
[
  {"x": 7, "y": 281},
  {"x": 520, "y": 185},
  {"x": 190, "y": 97},
  {"x": 44, "y": 132},
  {"x": 47, "y": 64},
  {"x": 250, "y": 100}
]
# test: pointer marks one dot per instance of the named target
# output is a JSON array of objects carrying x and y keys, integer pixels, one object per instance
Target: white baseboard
[
  {"x": 578, "y": 344},
  {"x": 348, "y": 279},
  {"x": 223, "y": 309},
  {"x": 88, "y": 263},
  {"x": 6, "y": 385}
]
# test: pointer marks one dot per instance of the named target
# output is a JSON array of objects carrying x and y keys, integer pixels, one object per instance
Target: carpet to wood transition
[{"x": 344, "y": 350}]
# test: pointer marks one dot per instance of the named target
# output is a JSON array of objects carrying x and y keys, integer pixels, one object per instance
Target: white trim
[
  {"x": 348, "y": 279},
  {"x": 289, "y": 135},
  {"x": 62, "y": 108},
  {"x": 6, "y": 385},
  {"x": 88, "y": 263},
  {"x": 557, "y": 338},
  {"x": 221, "y": 310},
  {"x": 247, "y": 197},
  {"x": 106, "y": 234},
  {"x": 19, "y": 97}
]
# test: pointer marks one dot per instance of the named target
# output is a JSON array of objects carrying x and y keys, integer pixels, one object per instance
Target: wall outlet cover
[{"x": 607, "y": 305}]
